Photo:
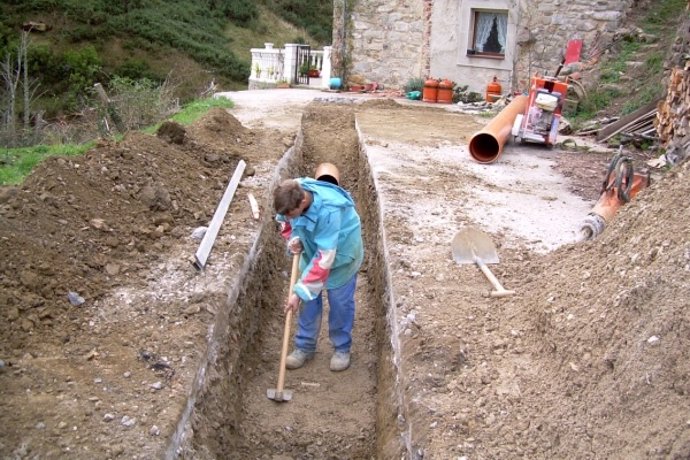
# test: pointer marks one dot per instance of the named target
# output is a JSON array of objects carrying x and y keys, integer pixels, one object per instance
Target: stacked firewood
[{"x": 673, "y": 116}]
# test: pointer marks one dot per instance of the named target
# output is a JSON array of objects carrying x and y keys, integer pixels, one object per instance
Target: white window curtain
[
  {"x": 502, "y": 25},
  {"x": 485, "y": 22}
]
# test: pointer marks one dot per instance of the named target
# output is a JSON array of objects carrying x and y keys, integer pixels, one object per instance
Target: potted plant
[
  {"x": 257, "y": 70},
  {"x": 282, "y": 83},
  {"x": 310, "y": 71},
  {"x": 304, "y": 68}
]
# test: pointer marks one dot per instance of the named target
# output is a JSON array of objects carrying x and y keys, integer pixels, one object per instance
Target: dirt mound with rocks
[
  {"x": 78, "y": 224},
  {"x": 98, "y": 294},
  {"x": 611, "y": 328}
]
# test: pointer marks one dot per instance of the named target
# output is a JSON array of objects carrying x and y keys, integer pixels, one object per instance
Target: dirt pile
[
  {"x": 611, "y": 330},
  {"x": 97, "y": 293},
  {"x": 83, "y": 224}
]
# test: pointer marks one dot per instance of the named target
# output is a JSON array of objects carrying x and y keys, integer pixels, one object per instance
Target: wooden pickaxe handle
[{"x": 286, "y": 329}]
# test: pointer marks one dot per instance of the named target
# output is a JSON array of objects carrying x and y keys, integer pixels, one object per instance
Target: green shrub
[
  {"x": 83, "y": 65},
  {"x": 140, "y": 102},
  {"x": 241, "y": 12},
  {"x": 83, "y": 33},
  {"x": 414, "y": 84},
  {"x": 135, "y": 69},
  {"x": 317, "y": 17}
]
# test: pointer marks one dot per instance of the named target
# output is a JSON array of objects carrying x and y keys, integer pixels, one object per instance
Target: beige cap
[{"x": 327, "y": 172}]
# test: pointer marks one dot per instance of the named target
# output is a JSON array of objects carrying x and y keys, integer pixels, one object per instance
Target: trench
[{"x": 357, "y": 413}]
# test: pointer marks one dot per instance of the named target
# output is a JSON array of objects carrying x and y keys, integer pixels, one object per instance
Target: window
[{"x": 490, "y": 30}]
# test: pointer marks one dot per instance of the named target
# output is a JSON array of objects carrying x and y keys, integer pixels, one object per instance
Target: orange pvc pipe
[
  {"x": 608, "y": 205},
  {"x": 486, "y": 145}
]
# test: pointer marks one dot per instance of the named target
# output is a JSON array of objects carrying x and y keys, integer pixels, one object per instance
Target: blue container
[{"x": 335, "y": 83}]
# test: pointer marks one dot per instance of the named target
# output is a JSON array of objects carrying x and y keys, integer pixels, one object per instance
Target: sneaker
[
  {"x": 297, "y": 358},
  {"x": 340, "y": 361}
]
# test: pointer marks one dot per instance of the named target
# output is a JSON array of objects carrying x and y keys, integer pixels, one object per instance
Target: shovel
[
  {"x": 471, "y": 246},
  {"x": 278, "y": 394}
]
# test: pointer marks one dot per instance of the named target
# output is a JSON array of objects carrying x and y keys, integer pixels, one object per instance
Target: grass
[
  {"x": 192, "y": 112},
  {"x": 643, "y": 89},
  {"x": 665, "y": 12},
  {"x": 17, "y": 163}
]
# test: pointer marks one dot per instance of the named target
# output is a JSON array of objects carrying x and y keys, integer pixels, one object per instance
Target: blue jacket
[{"x": 331, "y": 235}]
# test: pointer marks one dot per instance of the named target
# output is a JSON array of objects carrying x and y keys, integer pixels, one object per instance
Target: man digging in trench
[{"x": 319, "y": 220}]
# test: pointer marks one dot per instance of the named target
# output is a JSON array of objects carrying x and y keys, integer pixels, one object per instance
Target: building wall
[
  {"x": 545, "y": 27},
  {"x": 384, "y": 39},
  {"x": 451, "y": 37},
  {"x": 391, "y": 41}
]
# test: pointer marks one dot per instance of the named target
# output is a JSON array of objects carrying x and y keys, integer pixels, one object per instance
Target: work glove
[{"x": 294, "y": 245}]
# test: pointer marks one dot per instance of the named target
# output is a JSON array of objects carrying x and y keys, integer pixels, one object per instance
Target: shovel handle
[
  {"x": 499, "y": 290},
  {"x": 286, "y": 329}
]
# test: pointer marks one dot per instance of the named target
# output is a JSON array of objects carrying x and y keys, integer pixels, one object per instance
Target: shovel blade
[
  {"x": 471, "y": 243},
  {"x": 279, "y": 396}
]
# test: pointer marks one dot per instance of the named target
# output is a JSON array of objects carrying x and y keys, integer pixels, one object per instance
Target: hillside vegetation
[
  {"x": 630, "y": 72},
  {"x": 186, "y": 43}
]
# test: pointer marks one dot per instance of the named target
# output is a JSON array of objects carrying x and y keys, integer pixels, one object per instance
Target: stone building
[{"x": 467, "y": 41}]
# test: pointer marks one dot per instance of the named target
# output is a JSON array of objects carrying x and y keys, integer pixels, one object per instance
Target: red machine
[{"x": 540, "y": 121}]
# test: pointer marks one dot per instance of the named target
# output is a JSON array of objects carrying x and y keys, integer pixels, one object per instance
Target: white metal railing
[
  {"x": 271, "y": 66},
  {"x": 267, "y": 63}
]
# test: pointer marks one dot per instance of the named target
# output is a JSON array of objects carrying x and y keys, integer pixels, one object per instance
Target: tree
[
  {"x": 11, "y": 73},
  {"x": 13, "y": 70}
]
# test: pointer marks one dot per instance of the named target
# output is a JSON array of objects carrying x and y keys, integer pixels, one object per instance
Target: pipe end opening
[{"x": 484, "y": 148}]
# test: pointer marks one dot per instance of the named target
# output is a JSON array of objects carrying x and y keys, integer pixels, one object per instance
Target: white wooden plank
[{"x": 201, "y": 256}]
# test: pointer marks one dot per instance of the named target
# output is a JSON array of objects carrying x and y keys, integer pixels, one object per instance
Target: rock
[
  {"x": 128, "y": 421},
  {"x": 172, "y": 132},
  {"x": 155, "y": 197},
  {"x": 75, "y": 299},
  {"x": 12, "y": 314},
  {"x": 192, "y": 310},
  {"x": 199, "y": 232},
  {"x": 7, "y": 193},
  {"x": 112, "y": 269}
]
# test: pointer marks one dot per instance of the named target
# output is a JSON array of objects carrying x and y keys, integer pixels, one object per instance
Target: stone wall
[
  {"x": 391, "y": 41},
  {"x": 546, "y": 26},
  {"x": 384, "y": 39}
]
